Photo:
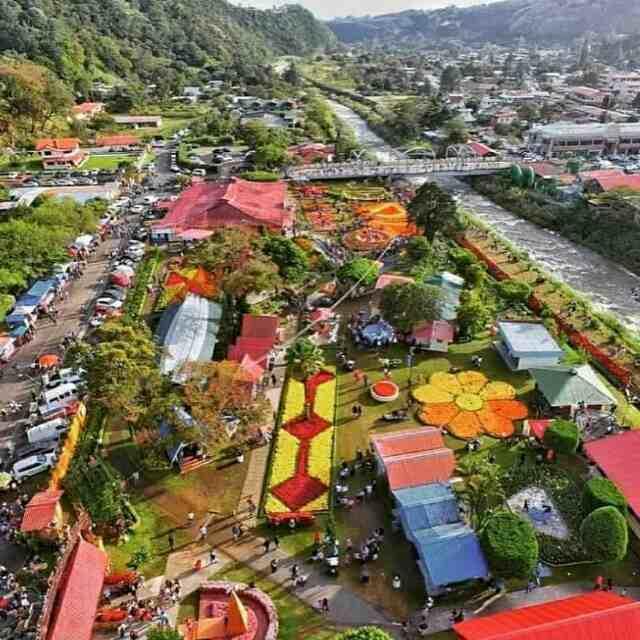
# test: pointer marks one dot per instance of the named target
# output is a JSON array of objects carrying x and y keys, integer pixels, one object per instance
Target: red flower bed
[
  {"x": 298, "y": 491},
  {"x": 385, "y": 389},
  {"x": 304, "y": 429}
]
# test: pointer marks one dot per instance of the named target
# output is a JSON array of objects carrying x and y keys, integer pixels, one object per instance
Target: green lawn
[
  {"x": 298, "y": 620},
  {"x": 111, "y": 161}
]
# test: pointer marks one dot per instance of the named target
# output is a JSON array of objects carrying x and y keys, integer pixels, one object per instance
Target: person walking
[
  {"x": 190, "y": 518},
  {"x": 251, "y": 506},
  {"x": 274, "y": 565},
  {"x": 172, "y": 541},
  {"x": 203, "y": 533},
  {"x": 267, "y": 545},
  {"x": 276, "y": 542},
  {"x": 324, "y": 605},
  {"x": 213, "y": 558}
]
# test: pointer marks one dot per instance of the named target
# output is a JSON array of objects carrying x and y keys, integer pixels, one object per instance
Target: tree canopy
[
  {"x": 360, "y": 270},
  {"x": 291, "y": 259},
  {"x": 306, "y": 356},
  {"x": 434, "y": 211},
  {"x": 405, "y": 305}
]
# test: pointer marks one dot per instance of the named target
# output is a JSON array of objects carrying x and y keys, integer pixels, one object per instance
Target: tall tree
[
  {"x": 306, "y": 356},
  {"x": 434, "y": 211},
  {"x": 483, "y": 488},
  {"x": 405, "y": 305}
]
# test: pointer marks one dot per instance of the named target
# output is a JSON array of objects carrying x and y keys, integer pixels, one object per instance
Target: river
[{"x": 605, "y": 283}]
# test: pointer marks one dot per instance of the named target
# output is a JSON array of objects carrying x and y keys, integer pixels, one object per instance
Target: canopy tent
[
  {"x": 380, "y": 332},
  {"x": 566, "y": 386},
  {"x": 426, "y": 506},
  {"x": 83, "y": 242},
  {"x": 38, "y": 295},
  {"x": 49, "y": 360},
  {"x": 188, "y": 334},
  {"x": 601, "y": 614},
  {"x": 449, "y": 554}
]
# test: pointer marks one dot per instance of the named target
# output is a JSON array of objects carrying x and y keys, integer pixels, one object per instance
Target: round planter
[{"x": 385, "y": 391}]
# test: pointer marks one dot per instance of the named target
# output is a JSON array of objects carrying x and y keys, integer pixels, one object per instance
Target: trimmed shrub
[
  {"x": 600, "y": 492},
  {"x": 260, "y": 176},
  {"x": 562, "y": 436},
  {"x": 363, "y": 633},
  {"x": 604, "y": 535},
  {"x": 514, "y": 291},
  {"x": 510, "y": 545}
]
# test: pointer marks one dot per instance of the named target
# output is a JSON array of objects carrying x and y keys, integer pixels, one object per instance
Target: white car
[
  {"x": 199, "y": 172},
  {"x": 108, "y": 303},
  {"x": 138, "y": 208},
  {"x": 32, "y": 466}
]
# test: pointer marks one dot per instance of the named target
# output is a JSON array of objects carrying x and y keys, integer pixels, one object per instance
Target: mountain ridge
[{"x": 504, "y": 21}]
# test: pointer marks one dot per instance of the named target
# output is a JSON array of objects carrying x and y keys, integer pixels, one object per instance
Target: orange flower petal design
[
  {"x": 495, "y": 425},
  {"x": 472, "y": 381},
  {"x": 445, "y": 381},
  {"x": 498, "y": 391},
  {"x": 512, "y": 409},
  {"x": 439, "y": 415},
  {"x": 465, "y": 425}
]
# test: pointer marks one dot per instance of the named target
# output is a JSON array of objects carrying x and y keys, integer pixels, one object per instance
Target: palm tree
[
  {"x": 483, "y": 490},
  {"x": 306, "y": 356}
]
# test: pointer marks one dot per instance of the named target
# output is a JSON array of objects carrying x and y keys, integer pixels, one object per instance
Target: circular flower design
[
  {"x": 467, "y": 404},
  {"x": 385, "y": 391}
]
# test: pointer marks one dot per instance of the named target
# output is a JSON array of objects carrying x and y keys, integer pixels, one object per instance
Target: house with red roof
[
  {"x": 60, "y": 152},
  {"x": 309, "y": 152},
  {"x": 208, "y": 206},
  {"x": 436, "y": 335},
  {"x": 257, "y": 339},
  {"x": 618, "y": 458},
  {"x": 43, "y": 515},
  {"x": 75, "y": 594},
  {"x": 87, "y": 110},
  {"x": 118, "y": 142},
  {"x": 609, "y": 179},
  {"x": 604, "y": 615}
]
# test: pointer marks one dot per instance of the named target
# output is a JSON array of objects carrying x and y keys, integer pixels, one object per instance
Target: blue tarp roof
[
  {"x": 528, "y": 338},
  {"x": 428, "y": 506},
  {"x": 424, "y": 492},
  {"x": 38, "y": 292},
  {"x": 451, "y": 554}
]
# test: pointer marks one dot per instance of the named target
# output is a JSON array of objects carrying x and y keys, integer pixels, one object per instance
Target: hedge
[
  {"x": 510, "y": 545},
  {"x": 600, "y": 492},
  {"x": 562, "y": 436},
  {"x": 604, "y": 534},
  {"x": 260, "y": 176},
  {"x": 363, "y": 633}
]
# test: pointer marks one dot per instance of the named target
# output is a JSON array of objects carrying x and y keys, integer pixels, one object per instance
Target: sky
[{"x": 337, "y": 8}]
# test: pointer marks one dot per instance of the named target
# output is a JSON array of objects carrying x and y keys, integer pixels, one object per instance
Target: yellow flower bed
[
  {"x": 325, "y": 401},
  {"x": 469, "y": 401},
  {"x": 273, "y": 505},
  {"x": 472, "y": 381},
  {"x": 294, "y": 402},
  {"x": 428, "y": 394},
  {"x": 284, "y": 459},
  {"x": 320, "y": 456},
  {"x": 321, "y": 503},
  {"x": 446, "y": 381},
  {"x": 498, "y": 391}
]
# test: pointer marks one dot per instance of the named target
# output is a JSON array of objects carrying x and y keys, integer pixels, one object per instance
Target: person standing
[
  {"x": 267, "y": 545},
  {"x": 172, "y": 541},
  {"x": 324, "y": 605},
  {"x": 276, "y": 542},
  {"x": 274, "y": 565},
  {"x": 203, "y": 533}
]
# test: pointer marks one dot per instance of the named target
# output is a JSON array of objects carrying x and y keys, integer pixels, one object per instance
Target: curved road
[{"x": 606, "y": 283}]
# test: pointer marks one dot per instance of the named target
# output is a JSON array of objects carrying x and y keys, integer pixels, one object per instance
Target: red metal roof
[
  {"x": 211, "y": 205},
  {"x": 610, "y": 179},
  {"x": 259, "y": 326},
  {"x": 124, "y": 140},
  {"x": 40, "y": 511},
  {"x": 437, "y": 330},
  {"x": 415, "y": 469},
  {"x": 62, "y": 144},
  {"x": 388, "y": 278},
  {"x": 76, "y": 601},
  {"x": 407, "y": 441},
  {"x": 618, "y": 457},
  {"x": 538, "y": 427},
  {"x": 600, "y": 615},
  {"x": 87, "y": 107},
  {"x": 481, "y": 149}
]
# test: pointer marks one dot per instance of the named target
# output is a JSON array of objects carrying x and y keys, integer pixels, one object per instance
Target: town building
[
  {"x": 208, "y": 206},
  {"x": 524, "y": 345},
  {"x": 118, "y": 142},
  {"x": 87, "y": 110},
  {"x": 605, "y": 180},
  {"x": 60, "y": 152},
  {"x": 625, "y": 86},
  {"x": 588, "y": 95},
  {"x": 565, "y": 137},
  {"x": 138, "y": 122}
]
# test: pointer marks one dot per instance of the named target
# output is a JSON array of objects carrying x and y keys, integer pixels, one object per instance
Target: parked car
[
  {"x": 50, "y": 430},
  {"x": 32, "y": 466},
  {"x": 38, "y": 448},
  {"x": 108, "y": 303},
  {"x": 116, "y": 294},
  {"x": 137, "y": 208},
  {"x": 199, "y": 172}
]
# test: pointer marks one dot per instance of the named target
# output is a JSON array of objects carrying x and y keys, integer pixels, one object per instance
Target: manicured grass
[
  {"x": 297, "y": 619},
  {"x": 110, "y": 161}
]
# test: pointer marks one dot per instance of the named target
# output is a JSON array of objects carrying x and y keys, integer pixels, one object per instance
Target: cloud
[{"x": 337, "y": 8}]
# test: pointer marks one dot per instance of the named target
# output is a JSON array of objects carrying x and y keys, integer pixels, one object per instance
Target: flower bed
[
  {"x": 467, "y": 405},
  {"x": 385, "y": 391},
  {"x": 302, "y": 460},
  {"x": 366, "y": 239}
]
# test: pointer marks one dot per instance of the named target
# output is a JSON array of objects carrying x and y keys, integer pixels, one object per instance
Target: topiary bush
[
  {"x": 363, "y": 633},
  {"x": 510, "y": 545},
  {"x": 514, "y": 291},
  {"x": 562, "y": 436},
  {"x": 604, "y": 535},
  {"x": 600, "y": 492}
]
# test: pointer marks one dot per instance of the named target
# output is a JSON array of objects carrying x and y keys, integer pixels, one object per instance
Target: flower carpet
[
  {"x": 467, "y": 405},
  {"x": 302, "y": 460}
]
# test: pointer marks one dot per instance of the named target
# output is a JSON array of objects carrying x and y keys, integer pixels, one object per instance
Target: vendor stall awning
[{"x": 564, "y": 386}]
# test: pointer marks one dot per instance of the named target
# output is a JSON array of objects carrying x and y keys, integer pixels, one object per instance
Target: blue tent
[
  {"x": 28, "y": 302},
  {"x": 426, "y": 506},
  {"x": 450, "y": 554}
]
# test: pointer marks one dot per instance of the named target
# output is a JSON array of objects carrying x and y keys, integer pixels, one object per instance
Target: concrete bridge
[{"x": 400, "y": 167}]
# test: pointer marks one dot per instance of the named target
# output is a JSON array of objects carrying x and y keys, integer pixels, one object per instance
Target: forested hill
[
  {"x": 541, "y": 20},
  {"x": 127, "y": 38}
]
